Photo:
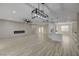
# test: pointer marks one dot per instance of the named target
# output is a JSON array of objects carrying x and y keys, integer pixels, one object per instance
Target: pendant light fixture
[{"x": 39, "y": 13}]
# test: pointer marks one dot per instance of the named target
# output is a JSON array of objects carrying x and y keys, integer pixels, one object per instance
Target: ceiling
[{"x": 60, "y": 12}]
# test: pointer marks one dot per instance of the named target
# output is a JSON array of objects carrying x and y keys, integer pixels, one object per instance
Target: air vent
[{"x": 19, "y": 32}]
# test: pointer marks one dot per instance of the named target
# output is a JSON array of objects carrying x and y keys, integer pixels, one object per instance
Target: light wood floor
[{"x": 38, "y": 45}]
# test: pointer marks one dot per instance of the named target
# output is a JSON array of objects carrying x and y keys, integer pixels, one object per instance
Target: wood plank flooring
[{"x": 38, "y": 45}]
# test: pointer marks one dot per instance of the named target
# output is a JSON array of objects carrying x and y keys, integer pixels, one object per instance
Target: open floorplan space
[{"x": 39, "y": 29}]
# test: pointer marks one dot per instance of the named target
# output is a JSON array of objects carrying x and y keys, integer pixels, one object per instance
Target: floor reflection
[
  {"x": 65, "y": 40},
  {"x": 38, "y": 44}
]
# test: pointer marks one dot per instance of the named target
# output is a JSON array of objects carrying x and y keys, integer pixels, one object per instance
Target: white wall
[
  {"x": 7, "y": 28},
  {"x": 74, "y": 27},
  {"x": 78, "y": 26}
]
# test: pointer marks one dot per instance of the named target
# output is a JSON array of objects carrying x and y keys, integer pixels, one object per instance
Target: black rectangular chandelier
[{"x": 39, "y": 13}]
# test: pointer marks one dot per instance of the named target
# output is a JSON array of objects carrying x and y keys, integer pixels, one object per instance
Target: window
[{"x": 64, "y": 28}]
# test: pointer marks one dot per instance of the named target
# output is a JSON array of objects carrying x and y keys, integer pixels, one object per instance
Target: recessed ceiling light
[{"x": 13, "y": 11}]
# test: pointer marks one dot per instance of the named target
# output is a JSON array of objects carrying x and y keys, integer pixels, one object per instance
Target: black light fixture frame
[{"x": 40, "y": 13}]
